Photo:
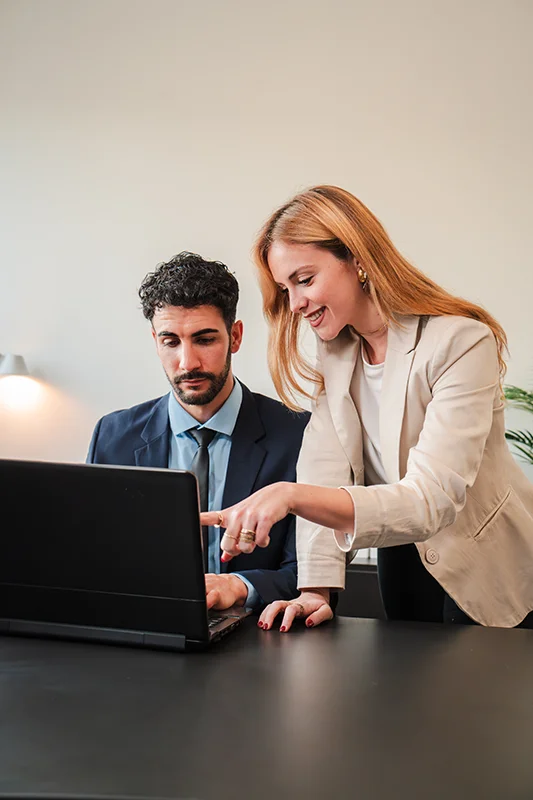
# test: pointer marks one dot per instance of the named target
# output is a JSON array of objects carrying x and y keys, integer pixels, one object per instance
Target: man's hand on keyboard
[{"x": 224, "y": 591}]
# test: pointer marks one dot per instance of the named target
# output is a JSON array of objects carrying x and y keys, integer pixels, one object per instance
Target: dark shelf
[{"x": 361, "y": 597}]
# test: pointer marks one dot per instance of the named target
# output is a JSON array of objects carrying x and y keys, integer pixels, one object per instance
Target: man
[{"x": 192, "y": 305}]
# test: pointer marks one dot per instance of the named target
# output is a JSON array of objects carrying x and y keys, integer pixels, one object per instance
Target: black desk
[{"x": 359, "y": 709}]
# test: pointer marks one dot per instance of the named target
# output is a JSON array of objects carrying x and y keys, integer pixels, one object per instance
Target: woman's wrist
[
  {"x": 292, "y": 496},
  {"x": 323, "y": 592}
]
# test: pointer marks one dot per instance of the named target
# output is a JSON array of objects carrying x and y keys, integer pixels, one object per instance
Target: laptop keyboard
[{"x": 212, "y": 621}]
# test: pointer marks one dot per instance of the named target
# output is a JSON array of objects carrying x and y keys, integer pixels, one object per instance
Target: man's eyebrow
[
  {"x": 202, "y": 332},
  {"x": 205, "y": 330}
]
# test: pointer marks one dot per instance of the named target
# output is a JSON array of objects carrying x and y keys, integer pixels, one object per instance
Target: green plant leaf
[
  {"x": 523, "y": 437},
  {"x": 523, "y": 444},
  {"x": 519, "y": 398}
]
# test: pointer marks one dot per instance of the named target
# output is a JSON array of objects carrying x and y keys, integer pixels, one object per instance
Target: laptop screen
[{"x": 89, "y": 544}]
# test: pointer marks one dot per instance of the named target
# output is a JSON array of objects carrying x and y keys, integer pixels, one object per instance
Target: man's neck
[{"x": 204, "y": 413}]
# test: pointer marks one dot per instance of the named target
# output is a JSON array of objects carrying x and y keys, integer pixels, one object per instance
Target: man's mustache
[{"x": 193, "y": 376}]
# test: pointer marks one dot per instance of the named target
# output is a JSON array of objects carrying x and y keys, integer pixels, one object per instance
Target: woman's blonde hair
[{"x": 335, "y": 220}]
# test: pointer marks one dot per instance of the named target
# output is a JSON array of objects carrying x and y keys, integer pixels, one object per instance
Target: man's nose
[{"x": 189, "y": 359}]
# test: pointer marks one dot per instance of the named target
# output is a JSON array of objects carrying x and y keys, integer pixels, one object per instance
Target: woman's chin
[{"x": 327, "y": 334}]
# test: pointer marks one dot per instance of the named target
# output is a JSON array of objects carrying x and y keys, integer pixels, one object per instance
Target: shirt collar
[{"x": 223, "y": 421}]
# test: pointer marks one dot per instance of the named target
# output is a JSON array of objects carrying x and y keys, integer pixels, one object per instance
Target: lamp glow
[{"x": 18, "y": 390}]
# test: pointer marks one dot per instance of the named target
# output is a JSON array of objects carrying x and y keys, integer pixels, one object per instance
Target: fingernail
[
  {"x": 309, "y": 623},
  {"x": 259, "y": 624},
  {"x": 283, "y": 628}
]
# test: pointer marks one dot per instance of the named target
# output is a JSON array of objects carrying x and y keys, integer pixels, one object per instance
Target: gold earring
[{"x": 363, "y": 277}]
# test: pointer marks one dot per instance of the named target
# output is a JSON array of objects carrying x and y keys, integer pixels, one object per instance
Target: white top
[
  {"x": 365, "y": 390},
  {"x": 366, "y": 394}
]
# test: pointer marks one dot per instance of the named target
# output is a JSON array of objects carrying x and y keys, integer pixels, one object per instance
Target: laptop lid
[{"x": 102, "y": 546}]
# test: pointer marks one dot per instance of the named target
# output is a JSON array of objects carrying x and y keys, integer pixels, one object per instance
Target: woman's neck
[
  {"x": 376, "y": 345},
  {"x": 373, "y": 330}
]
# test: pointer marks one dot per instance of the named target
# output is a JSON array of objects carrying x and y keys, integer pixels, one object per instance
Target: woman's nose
[{"x": 297, "y": 302}]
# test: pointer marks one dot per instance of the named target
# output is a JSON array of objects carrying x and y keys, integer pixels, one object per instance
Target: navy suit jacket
[{"x": 264, "y": 449}]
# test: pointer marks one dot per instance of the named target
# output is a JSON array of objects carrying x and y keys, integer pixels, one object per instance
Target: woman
[{"x": 405, "y": 450}]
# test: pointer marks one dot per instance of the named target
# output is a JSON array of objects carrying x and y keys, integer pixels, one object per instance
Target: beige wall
[{"x": 132, "y": 129}]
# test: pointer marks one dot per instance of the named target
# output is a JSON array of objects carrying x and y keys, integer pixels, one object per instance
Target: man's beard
[{"x": 196, "y": 398}]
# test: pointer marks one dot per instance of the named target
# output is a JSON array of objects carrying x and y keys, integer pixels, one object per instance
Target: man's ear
[
  {"x": 154, "y": 336},
  {"x": 236, "y": 336}
]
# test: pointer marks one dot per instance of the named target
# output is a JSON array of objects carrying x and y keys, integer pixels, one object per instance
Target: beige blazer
[{"x": 454, "y": 489}]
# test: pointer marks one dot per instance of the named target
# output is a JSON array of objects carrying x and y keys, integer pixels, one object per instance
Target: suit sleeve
[
  {"x": 277, "y": 584},
  {"x": 91, "y": 455},
  {"x": 464, "y": 378}
]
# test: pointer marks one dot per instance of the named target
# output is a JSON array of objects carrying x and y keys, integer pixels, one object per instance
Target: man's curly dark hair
[{"x": 188, "y": 280}]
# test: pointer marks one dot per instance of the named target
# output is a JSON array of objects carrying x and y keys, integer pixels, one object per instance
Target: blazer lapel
[
  {"x": 401, "y": 348},
  {"x": 156, "y": 434},
  {"x": 338, "y": 365},
  {"x": 246, "y": 456}
]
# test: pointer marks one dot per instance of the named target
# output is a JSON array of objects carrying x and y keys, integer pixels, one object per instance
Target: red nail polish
[
  {"x": 309, "y": 623},
  {"x": 283, "y": 628},
  {"x": 259, "y": 624}
]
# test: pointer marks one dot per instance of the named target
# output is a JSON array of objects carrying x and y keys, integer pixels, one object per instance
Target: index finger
[{"x": 211, "y": 518}]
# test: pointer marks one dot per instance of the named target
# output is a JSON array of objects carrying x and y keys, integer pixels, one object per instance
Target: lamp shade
[{"x": 12, "y": 364}]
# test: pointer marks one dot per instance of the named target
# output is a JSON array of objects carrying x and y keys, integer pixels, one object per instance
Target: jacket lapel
[
  {"x": 401, "y": 348},
  {"x": 246, "y": 456},
  {"x": 338, "y": 364},
  {"x": 156, "y": 434}
]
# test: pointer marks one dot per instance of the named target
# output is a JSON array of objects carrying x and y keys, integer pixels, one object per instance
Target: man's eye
[
  {"x": 170, "y": 342},
  {"x": 205, "y": 340}
]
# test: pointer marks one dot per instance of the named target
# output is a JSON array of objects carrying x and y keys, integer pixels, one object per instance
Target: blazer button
[{"x": 432, "y": 556}]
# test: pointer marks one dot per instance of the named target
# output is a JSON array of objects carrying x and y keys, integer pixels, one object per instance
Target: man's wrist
[{"x": 240, "y": 589}]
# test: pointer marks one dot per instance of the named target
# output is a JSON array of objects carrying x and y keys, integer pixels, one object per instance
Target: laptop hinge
[{"x": 94, "y": 634}]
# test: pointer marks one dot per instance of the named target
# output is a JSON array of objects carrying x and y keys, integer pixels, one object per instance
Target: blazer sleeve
[
  {"x": 464, "y": 380},
  {"x": 322, "y": 462}
]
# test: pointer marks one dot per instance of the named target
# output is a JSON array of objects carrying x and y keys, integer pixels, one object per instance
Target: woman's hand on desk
[{"x": 312, "y": 605}]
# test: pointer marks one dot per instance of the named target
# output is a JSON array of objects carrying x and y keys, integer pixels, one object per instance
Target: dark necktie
[{"x": 200, "y": 467}]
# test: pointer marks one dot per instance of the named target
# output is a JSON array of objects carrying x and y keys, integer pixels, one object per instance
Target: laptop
[{"x": 105, "y": 553}]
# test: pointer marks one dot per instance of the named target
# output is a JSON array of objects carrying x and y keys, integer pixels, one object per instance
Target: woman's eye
[{"x": 304, "y": 281}]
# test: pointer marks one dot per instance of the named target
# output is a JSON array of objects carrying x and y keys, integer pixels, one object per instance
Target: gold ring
[
  {"x": 220, "y": 522},
  {"x": 232, "y": 537},
  {"x": 300, "y": 606},
  {"x": 247, "y": 536}
]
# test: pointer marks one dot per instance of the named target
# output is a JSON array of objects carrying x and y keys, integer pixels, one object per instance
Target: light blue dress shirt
[{"x": 183, "y": 449}]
